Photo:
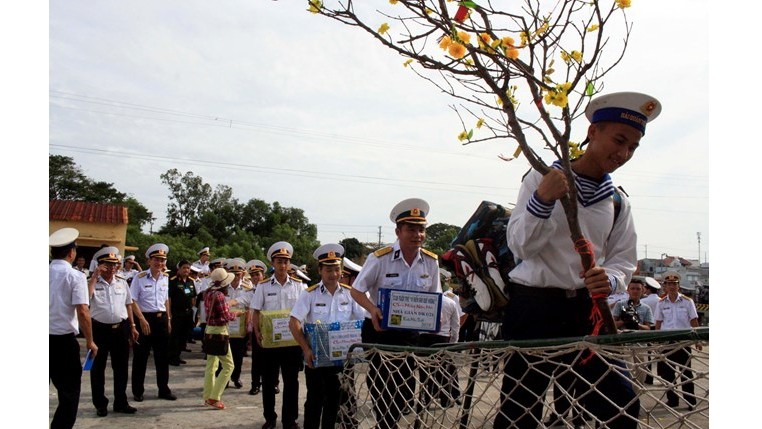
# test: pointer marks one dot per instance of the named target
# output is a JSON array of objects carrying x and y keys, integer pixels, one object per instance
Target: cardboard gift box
[
  {"x": 409, "y": 310},
  {"x": 273, "y": 324},
  {"x": 330, "y": 342},
  {"x": 237, "y": 327}
]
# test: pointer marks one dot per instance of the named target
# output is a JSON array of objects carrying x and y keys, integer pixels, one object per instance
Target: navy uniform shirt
[{"x": 150, "y": 294}]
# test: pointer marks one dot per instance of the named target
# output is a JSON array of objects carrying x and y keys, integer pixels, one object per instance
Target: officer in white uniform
[
  {"x": 256, "y": 269},
  {"x": 150, "y": 293},
  {"x": 68, "y": 315},
  {"x": 113, "y": 330},
  {"x": 239, "y": 300},
  {"x": 325, "y": 302},
  {"x": 128, "y": 271},
  {"x": 203, "y": 263},
  {"x": 279, "y": 292},
  {"x": 403, "y": 266}
]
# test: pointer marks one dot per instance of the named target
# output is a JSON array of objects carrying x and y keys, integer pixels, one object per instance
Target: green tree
[
  {"x": 188, "y": 196},
  {"x": 353, "y": 249},
  {"x": 439, "y": 236},
  {"x": 67, "y": 181}
]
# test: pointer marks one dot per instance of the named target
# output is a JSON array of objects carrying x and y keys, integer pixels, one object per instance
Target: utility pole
[
  {"x": 379, "y": 237},
  {"x": 698, "y": 235}
]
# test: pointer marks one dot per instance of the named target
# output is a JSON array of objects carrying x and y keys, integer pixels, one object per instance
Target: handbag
[{"x": 215, "y": 344}]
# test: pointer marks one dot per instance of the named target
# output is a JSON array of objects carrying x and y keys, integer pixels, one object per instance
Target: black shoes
[
  {"x": 277, "y": 390},
  {"x": 101, "y": 412},
  {"x": 254, "y": 390},
  {"x": 237, "y": 384},
  {"x": 125, "y": 409},
  {"x": 174, "y": 362},
  {"x": 293, "y": 425},
  {"x": 168, "y": 396},
  {"x": 138, "y": 398},
  {"x": 269, "y": 425}
]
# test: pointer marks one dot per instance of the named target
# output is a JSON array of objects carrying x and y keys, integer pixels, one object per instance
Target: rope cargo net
[{"x": 651, "y": 379}]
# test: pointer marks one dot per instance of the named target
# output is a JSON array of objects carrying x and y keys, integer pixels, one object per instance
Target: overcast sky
[{"x": 283, "y": 105}]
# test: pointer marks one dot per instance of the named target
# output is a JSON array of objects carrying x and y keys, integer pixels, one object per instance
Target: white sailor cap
[
  {"x": 129, "y": 258},
  {"x": 329, "y": 254},
  {"x": 255, "y": 265},
  {"x": 204, "y": 251},
  {"x": 411, "y": 210},
  {"x": 647, "y": 282},
  {"x": 219, "y": 261},
  {"x": 631, "y": 108},
  {"x": 299, "y": 273},
  {"x": 350, "y": 267},
  {"x": 158, "y": 250},
  {"x": 671, "y": 276},
  {"x": 63, "y": 237},
  {"x": 195, "y": 269},
  {"x": 281, "y": 249},
  {"x": 446, "y": 274},
  {"x": 235, "y": 265},
  {"x": 107, "y": 254}
]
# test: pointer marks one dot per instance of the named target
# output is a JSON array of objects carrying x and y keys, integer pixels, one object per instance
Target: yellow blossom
[
  {"x": 407, "y": 63},
  {"x": 469, "y": 62},
  {"x": 623, "y": 3},
  {"x": 393, "y": 1},
  {"x": 315, "y": 6},
  {"x": 463, "y": 136},
  {"x": 575, "y": 151},
  {"x": 524, "y": 35},
  {"x": 543, "y": 28},
  {"x": 592, "y": 28},
  {"x": 383, "y": 28},
  {"x": 507, "y": 41},
  {"x": 484, "y": 39},
  {"x": 445, "y": 42},
  {"x": 464, "y": 37},
  {"x": 456, "y": 50},
  {"x": 479, "y": 123},
  {"x": 428, "y": 11},
  {"x": 512, "y": 53},
  {"x": 577, "y": 56},
  {"x": 558, "y": 95},
  {"x": 565, "y": 57}
]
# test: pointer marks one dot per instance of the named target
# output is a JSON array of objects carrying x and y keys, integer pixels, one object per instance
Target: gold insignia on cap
[
  {"x": 111, "y": 255},
  {"x": 331, "y": 254},
  {"x": 415, "y": 212},
  {"x": 648, "y": 108}
]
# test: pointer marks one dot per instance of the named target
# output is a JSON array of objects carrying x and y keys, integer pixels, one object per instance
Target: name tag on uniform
[
  {"x": 187, "y": 291},
  {"x": 99, "y": 288},
  {"x": 148, "y": 286},
  {"x": 392, "y": 275},
  {"x": 319, "y": 304},
  {"x": 272, "y": 294},
  {"x": 424, "y": 276}
]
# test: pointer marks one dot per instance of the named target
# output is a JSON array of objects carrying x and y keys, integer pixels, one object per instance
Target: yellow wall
[{"x": 95, "y": 234}]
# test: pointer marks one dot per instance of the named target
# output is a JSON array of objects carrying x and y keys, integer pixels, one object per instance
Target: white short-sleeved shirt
[
  {"x": 127, "y": 274},
  {"x": 110, "y": 300},
  {"x": 651, "y": 301},
  {"x": 150, "y": 295},
  {"x": 67, "y": 289},
  {"x": 241, "y": 295},
  {"x": 450, "y": 319},
  {"x": 203, "y": 267},
  {"x": 317, "y": 304},
  {"x": 676, "y": 315},
  {"x": 271, "y": 295},
  {"x": 386, "y": 268}
]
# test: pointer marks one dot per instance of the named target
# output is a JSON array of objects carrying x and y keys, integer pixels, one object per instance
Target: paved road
[{"x": 187, "y": 383}]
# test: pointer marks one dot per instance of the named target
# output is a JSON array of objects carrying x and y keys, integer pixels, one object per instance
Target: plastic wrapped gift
[
  {"x": 237, "y": 327},
  {"x": 408, "y": 310},
  {"x": 275, "y": 330},
  {"x": 330, "y": 342}
]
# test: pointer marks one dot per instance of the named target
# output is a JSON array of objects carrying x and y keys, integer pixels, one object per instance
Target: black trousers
[
  {"x": 182, "y": 324},
  {"x": 678, "y": 366},
  {"x": 238, "y": 349},
  {"x": 288, "y": 362},
  {"x": 114, "y": 340},
  {"x": 539, "y": 315},
  {"x": 390, "y": 381},
  {"x": 158, "y": 341},
  {"x": 323, "y": 395},
  {"x": 441, "y": 381},
  {"x": 65, "y": 372},
  {"x": 256, "y": 363}
]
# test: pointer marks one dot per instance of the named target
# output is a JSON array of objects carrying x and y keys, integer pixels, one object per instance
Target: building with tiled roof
[{"x": 97, "y": 223}]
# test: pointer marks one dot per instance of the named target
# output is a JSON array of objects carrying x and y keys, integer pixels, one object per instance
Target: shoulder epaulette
[
  {"x": 142, "y": 274},
  {"x": 686, "y": 297},
  {"x": 345, "y": 286},
  {"x": 166, "y": 274},
  {"x": 313, "y": 287},
  {"x": 119, "y": 277},
  {"x": 429, "y": 253},
  {"x": 267, "y": 280},
  {"x": 173, "y": 277},
  {"x": 383, "y": 251},
  {"x": 296, "y": 279},
  {"x": 663, "y": 298}
]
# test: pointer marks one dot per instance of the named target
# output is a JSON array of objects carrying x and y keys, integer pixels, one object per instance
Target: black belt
[
  {"x": 109, "y": 325},
  {"x": 516, "y": 289},
  {"x": 156, "y": 314}
]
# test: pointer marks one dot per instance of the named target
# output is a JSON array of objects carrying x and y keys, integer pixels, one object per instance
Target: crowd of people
[{"x": 117, "y": 306}]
